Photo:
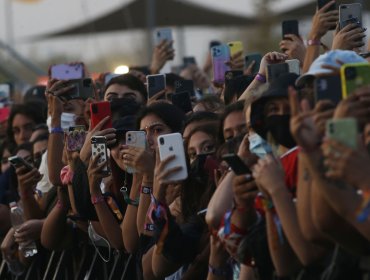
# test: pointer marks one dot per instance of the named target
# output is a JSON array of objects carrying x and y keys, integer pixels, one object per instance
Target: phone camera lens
[
  {"x": 350, "y": 73},
  {"x": 161, "y": 141}
]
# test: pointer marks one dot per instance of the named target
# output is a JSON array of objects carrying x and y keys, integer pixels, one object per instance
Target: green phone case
[{"x": 344, "y": 131}]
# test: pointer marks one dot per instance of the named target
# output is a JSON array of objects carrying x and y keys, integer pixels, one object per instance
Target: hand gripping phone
[
  {"x": 344, "y": 131},
  {"x": 135, "y": 139},
  {"x": 99, "y": 147},
  {"x": 67, "y": 71},
  {"x": 354, "y": 76},
  {"x": 220, "y": 55},
  {"x": 99, "y": 111},
  {"x": 155, "y": 84},
  {"x": 172, "y": 144}
]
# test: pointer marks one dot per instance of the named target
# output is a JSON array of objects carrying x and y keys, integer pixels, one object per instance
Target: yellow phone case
[{"x": 354, "y": 76}]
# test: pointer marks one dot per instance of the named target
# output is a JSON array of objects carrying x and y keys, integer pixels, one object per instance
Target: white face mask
[
  {"x": 66, "y": 120},
  {"x": 258, "y": 145}
]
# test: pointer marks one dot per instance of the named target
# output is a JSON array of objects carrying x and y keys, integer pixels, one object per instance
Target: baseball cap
[{"x": 330, "y": 58}]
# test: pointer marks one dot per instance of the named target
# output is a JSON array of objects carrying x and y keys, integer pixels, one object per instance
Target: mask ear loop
[{"x": 94, "y": 237}]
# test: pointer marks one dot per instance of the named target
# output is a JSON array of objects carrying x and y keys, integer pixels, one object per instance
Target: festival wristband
[
  {"x": 261, "y": 78},
  {"x": 146, "y": 190},
  {"x": 58, "y": 129},
  {"x": 96, "y": 199}
]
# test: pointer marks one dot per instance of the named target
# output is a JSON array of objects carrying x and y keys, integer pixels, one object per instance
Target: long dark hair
[{"x": 198, "y": 189}]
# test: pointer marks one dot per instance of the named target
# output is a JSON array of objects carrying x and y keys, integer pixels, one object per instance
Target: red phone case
[{"x": 99, "y": 111}]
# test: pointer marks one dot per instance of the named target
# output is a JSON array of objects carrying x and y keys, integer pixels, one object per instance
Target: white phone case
[
  {"x": 99, "y": 146},
  {"x": 162, "y": 34},
  {"x": 135, "y": 139},
  {"x": 172, "y": 144}
]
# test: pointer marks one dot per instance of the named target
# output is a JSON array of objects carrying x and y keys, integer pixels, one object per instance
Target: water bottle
[{"x": 28, "y": 249}]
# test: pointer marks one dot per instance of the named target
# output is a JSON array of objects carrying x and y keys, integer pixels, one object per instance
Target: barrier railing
[{"x": 74, "y": 264}]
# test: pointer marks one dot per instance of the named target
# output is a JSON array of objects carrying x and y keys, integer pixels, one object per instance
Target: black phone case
[
  {"x": 182, "y": 101},
  {"x": 236, "y": 164},
  {"x": 290, "y": 27}
]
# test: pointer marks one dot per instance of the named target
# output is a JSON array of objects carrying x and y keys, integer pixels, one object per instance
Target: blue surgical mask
[{"x": 258, "y": 145}]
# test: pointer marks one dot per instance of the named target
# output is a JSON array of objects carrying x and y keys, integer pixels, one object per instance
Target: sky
[{"x": 47, "y": 16}]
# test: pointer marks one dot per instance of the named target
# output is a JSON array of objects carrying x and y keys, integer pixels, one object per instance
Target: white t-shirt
[{"x": 44, "y": 185}]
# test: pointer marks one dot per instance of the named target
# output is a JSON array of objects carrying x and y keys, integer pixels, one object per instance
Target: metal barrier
[{"x": 74, "y": 264}]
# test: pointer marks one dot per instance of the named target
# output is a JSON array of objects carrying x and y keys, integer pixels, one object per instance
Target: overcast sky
[{"x": 46, "y": 16}]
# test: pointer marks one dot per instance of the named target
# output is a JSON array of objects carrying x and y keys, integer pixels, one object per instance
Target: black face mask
[{"x": 279, "y": 126}]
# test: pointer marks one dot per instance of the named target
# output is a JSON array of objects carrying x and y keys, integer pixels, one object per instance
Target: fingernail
[{"x": 248, "y": 176}]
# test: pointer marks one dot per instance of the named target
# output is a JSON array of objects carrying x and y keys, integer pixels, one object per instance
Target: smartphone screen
[
  {"x": 67, "y": 71},
  {"x": 155, "y": 84}
]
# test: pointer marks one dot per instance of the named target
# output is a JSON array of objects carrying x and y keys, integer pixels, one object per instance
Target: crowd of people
[{"x": 299, "y": 209}]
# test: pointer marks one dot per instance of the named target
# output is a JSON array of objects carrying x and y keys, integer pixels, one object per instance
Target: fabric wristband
[
  {"x": 313, "y": 42},
  {"x": 261, "y": 78},
  {"x": 95, "y": 199},
  {"x": 56, "y": 130}
]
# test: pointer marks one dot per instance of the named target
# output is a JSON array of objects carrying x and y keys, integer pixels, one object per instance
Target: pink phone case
[{"x": 220, "y": 55}]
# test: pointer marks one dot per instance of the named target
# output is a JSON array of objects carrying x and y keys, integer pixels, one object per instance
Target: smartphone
[
  {"x": 249, "y": 58},
  {"x": 185, "y": 85},
  {"x": 328, "y": 88},
  {"x": 231, "y": 75},
  {"x": 364, "y": 54},
  {"x": 294, "y": 66},
  {"x": 162, "y": 34},
  {"x": 67, "y": 71},
  {"x": 214, "y": 43},
  {"x": 135, "y": 139},
  {"x": 75, "y": 138},
  {"x": 189, "y": 60},
  {"x": 17, "y": 162},
  {"x": 172, "y": 144},
  {"x": 290, "y": 27},
  {"x": 322, "y": 3},
  {"x": 99, "y": 111},
  {"x": 99, "y": 147},
  {"x": 235, "y": 47},
  {"x": 343, "y": 130},
  {"x": 350, "y": 13},
  {"x": 83, "y": 89},
  {"x": 354, "y": 76},
  {"x": 236, "y": 164},
  {"x": 109, "y": 76},
  {"x": 5, "y": 93},
  {"x": 183, "y": 101},
  {"x": 274, "y": 71},
  {"x": 155, "y": 84},
  {"x": 220, "y": 54}
]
